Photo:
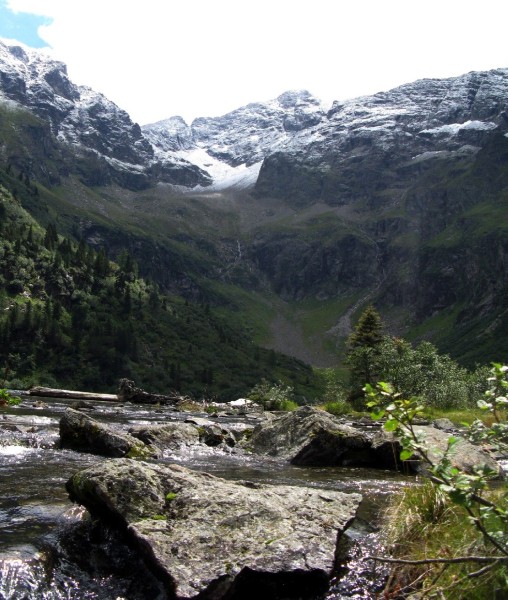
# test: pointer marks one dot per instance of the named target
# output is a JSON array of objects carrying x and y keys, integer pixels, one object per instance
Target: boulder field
[{"x": 208, "y": 538}]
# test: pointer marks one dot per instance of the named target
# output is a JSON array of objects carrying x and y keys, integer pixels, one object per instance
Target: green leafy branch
[
  {"x": 466, "y": 490},
  {"x": 6, "y": 398}
]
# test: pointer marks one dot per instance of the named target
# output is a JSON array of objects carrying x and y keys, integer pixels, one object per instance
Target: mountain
[
  {"x": 232, "y": 148},
  {"x": 287, "y": 215},
  {"x": 393, "y": 198},
  {"x": 100, "y": 140}
]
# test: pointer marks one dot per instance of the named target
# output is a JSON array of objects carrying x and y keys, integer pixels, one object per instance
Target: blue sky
[
  {"x": 22, "y": 26},
  {"x": 159, "y": 58}
]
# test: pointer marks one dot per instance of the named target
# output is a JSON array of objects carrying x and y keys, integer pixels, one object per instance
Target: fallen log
[{"x": 46, "y": 392}]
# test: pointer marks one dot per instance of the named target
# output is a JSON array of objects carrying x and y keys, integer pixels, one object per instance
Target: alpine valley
[{"x": 269, "y": 228}]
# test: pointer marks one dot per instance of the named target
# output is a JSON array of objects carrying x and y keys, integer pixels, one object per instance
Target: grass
[
  {"x": 448, "y": 238},
  {"x": 317, "y": 316},
  {"x": 489, "y": 217},
  {"x": 254, "y": 311},
  {"x": 338, "y": 408},
  {"x": 438, "y": 325},
  {"x": 420, "y": 524},
  {"x": 465, "y": 415}
]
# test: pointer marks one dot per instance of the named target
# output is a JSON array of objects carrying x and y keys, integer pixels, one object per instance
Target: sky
[{"x": 159, "y": 58}]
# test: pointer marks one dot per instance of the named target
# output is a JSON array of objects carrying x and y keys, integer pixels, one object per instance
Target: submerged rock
[
  {"x": 215, "y": 539},
  {"x": 308, "y": 436},
  {"x": 216, "y": 436},
  {"x": 78, "y": 431},
  {"x": 82, "y": 405}
]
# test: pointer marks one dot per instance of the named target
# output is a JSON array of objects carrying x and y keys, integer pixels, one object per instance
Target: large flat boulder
[
  {"x": 79, "y": 431},
  {"x": 308, "y": 436},
  {"x": 215, "y": 539}
]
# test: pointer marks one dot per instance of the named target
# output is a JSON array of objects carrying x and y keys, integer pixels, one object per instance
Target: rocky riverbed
[{"x": 260, "y": 523}]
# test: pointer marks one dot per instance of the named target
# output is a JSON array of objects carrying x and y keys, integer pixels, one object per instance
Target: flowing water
[{"x": 38, "y": 561}]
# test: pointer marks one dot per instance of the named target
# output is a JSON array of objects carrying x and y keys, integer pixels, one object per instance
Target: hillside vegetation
[{"x": 70, "y": 317}]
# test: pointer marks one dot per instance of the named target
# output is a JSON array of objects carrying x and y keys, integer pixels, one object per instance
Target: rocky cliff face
[
  {"x": 311, "y": 154},
  {"x": 107, "y": 145},
  {"x": 233, "y": 146},
  {"x": 376, "y": 143}
]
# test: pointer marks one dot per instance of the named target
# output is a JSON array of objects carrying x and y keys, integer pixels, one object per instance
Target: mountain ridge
[{"x": 312, "y": 212}]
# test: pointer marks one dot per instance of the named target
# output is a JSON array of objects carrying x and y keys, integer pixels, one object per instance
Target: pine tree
[
  {"x": 101, "y": 265},
  {"x": 50, "y": 237},
  {"x": 363, "y": 357},
  {"x": 369, "y": 330}
]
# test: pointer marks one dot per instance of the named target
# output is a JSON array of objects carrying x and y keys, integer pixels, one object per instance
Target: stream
[{"x": 36, "y": 561}]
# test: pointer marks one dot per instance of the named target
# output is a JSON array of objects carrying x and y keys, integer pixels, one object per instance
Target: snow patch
[
  {"x": 223, "y": 175},
  {"x": 123, "y": 166},
  {"x": 454, "y": 128}
]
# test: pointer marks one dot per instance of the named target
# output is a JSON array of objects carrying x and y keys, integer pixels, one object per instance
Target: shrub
[
  {"x": 339, "y": 408},
  {"x": 435, "y": 378},
  {"x": 6, "y": 398},
  {"x": 273, "y": 396}
]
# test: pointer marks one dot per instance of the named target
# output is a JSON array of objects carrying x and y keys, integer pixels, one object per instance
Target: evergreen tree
[
  {"x": 50, "y": 237},
  {"x": 28, "y": 318},
  {"x": 101, "y": 265},
  {"x": 369, "y": 330},
  {"x": 364, "y": 353}
]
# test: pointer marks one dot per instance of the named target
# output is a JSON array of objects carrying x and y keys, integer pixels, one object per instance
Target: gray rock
[
  {"x": 170, "y": 436},
  {"x": 215, "y": 539},
  {"x": 465, "y": 456},
  {"x": 82, "y": 405},
  {"x": 173, "y": 436},
  {"x": 444, "y": 425},
  {"x": 215, "y": 435},
  {"x": 199, "y": 421},
  {"x": 308, "y": 436},
  {"x": 79, "y": 431}
]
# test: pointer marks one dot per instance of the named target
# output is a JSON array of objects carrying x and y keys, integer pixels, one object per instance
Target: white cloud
[{"x": 157, "y": 58}]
